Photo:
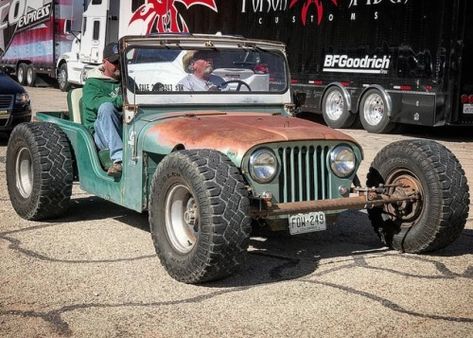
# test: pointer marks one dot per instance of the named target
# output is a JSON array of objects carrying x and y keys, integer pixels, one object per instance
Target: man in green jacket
[{"x": 102, "y": 104}]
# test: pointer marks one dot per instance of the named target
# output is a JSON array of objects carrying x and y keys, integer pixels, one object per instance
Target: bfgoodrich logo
[{"x": 368, "y": 64}]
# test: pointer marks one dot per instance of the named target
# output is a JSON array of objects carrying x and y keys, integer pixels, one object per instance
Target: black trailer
[{"x": 382, "y": 61}]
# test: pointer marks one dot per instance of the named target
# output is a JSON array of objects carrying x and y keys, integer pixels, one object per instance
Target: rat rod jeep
[{"x": 210, "y": 165}]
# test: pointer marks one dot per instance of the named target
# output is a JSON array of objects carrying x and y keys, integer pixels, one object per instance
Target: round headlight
[
  {"x": 342, "y": 161},
  {"x": 263, "y": 165}
]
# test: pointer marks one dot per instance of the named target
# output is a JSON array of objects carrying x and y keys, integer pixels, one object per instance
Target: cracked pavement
[{"x": 94, "y": 273}]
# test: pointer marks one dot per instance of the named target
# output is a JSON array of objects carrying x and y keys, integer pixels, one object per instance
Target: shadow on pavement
[
  {"x": 98, "y": 208},
  {"x": 450, "y": 134},
  {"x": 277, "y": 256},
  {"x": 4, "y": 139}
]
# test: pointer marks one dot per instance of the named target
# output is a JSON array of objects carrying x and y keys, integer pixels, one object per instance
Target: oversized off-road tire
[
  {"x": 39, "y": 170},
  {"x": 198, "y": 215},
  {"x": 374, "y": 114},
  {"x": 439, "y": 216},
  {"x": 335, "y": 109}
]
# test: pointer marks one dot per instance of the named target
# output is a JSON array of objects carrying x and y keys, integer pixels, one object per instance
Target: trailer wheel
[
  {"x": 335, "y": 109},
  {"x": 374, "y": 113},
  {"x": 62, "y": 78},
  {"x": 21, "y": 73},
  {"x": 198, "y": 215},
  {"x": 438, "y": 217},
  {"x": 30, "y": 76},
  {"x": 39, "y": 170}
]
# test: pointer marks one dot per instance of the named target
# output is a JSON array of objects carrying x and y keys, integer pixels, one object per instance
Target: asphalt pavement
[{"x": 94, "y": 273}]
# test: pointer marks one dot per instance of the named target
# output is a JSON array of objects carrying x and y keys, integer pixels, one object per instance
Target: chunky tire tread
[
  {"x": 223, "y": 202},
  {"x": 446, "y": 195},
  {"x": 52, "y": 170}
]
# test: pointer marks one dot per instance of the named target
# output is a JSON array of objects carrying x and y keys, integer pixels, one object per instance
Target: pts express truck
[
  {"x": 380, "y": 61},
  {"x": 32, "y": 36}
]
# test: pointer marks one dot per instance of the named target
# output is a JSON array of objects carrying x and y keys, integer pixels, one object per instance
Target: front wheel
[
  {"x": 198, "y": 215},
  {"x": 62, "y": 78},
  {"x": 430, "y": 172}
]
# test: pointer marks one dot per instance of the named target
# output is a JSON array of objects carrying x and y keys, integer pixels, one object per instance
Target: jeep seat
[{"x": 74, "y": 102}]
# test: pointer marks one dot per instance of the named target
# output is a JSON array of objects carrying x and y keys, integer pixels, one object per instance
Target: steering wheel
[{"x": 240, "y": 83}]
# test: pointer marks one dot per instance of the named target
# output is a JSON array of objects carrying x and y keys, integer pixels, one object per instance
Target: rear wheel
[
  {"x": 30, "y": 76},
  {"x": 335, "y": 109},
  {"x": 431, "y": 172},
  {"x": 21, "y": 73},
  {"x": 198, "y": 215},
  {"x": 374, "y": 113},
  {"x": 39, "y": 170}
]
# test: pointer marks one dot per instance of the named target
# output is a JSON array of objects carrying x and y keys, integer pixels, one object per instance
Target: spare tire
[{"x": 438, "y": 216}]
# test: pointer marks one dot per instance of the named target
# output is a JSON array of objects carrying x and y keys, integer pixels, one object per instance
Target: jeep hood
[{"x": 234, "y": 133}]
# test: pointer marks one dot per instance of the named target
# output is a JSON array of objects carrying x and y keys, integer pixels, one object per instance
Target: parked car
[
  {"x": 209, "y": 166},
  {"x": 14, "y": 103}
]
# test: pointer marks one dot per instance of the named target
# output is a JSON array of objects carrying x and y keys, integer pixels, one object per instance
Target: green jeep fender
[
  {"x": 143, "y": 149},
  {"x": 131, "y": 189}
]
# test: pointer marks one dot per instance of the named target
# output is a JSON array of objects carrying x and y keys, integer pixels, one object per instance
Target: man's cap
[{"x": 110, "y": 52}]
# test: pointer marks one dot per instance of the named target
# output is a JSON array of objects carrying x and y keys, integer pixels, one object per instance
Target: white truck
[{"x": 107, "y": 21}]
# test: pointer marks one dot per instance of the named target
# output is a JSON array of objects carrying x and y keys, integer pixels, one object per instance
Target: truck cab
[{"x": 100, "y": 26}]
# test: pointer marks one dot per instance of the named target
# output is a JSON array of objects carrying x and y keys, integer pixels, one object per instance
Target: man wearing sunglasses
[{"x": 102, "y": 106}]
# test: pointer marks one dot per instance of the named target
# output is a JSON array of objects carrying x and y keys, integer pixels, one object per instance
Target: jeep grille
[{"x": 304, "y": 175}]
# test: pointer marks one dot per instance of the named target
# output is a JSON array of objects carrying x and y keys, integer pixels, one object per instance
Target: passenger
[
  {"x": 200, "y": 77},
  {"x": 102, "y": 104}
]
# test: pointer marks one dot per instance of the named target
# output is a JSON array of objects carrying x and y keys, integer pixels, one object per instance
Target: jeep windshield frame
[{"x": 164, "y": 70}]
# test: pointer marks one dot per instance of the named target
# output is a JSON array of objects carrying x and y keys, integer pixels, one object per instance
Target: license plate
[
  {"x": 4, "y": 114},
  {"x": 310, "y": 222},
  {"x": 468, "y": 109}
]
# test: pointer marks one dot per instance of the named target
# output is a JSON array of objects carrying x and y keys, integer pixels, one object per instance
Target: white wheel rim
[
  {"x": 334, "y": 105},
  {"x": 21, "y": 74},
  {"x": 182, "y": 218},
  {"x": 24, "y": 172},
  {"x": 62, "y": 78},
  {"x": 373, "y": 109},
  {"x": 29, "y": 75}
]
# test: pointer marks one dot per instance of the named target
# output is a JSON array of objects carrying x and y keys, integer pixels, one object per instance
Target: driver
[{"x": 200, "y": 78}]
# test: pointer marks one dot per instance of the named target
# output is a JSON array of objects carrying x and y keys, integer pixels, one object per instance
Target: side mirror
[
  {"x": 67, "y": 26},
  {"x": 299, "y": 99}
]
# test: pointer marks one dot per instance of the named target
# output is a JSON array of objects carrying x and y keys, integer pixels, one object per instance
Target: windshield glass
[{"x": 153, "y": 70}]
